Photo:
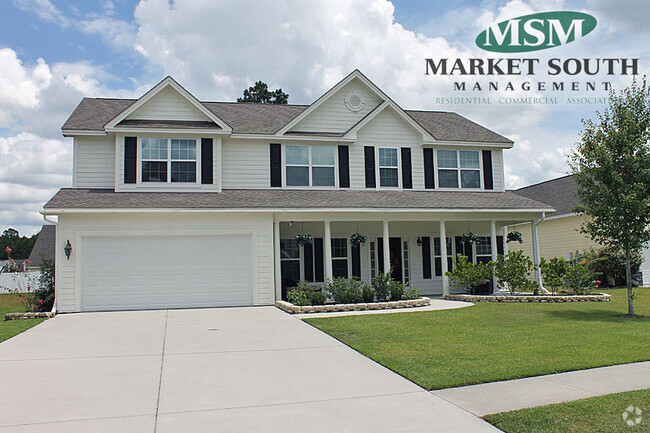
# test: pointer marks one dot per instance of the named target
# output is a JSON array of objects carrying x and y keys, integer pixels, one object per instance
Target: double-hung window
[
  {"x": 437, "y": 254},
  {"x": 388, "y": 167},
  {"x": 310, "y": 165},
  {"x": 289, "y": 261},
  {"x": 483, "y": 249},
  {"x": 168, "y": 160},
  {"x": 459, "y": 168},
  {"x": 340, "y": 257}
]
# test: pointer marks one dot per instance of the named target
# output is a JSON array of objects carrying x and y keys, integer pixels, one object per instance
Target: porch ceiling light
[{"x": 67, "y": 250}]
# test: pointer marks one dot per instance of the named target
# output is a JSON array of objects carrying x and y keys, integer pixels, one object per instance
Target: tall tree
[
  {"x": 612, "y": 169},
  {"x": 20, "y": 246},
  {"x": 260, "y": 93}
]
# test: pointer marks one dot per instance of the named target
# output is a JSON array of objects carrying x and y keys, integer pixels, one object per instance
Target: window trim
[
  {"x": 347, "y": 258},
  {"x": 458, "y": 169},
  {"x": 169, "y": 160},
  {"x": 310, "y": 167},
  {"x": 378, "y": 168}
]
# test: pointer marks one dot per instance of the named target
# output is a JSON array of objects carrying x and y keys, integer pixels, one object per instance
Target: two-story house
[{"x": 178, "y": 202}]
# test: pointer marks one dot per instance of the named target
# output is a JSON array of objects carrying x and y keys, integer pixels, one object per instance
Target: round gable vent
[{"x": 354, "y": 101}]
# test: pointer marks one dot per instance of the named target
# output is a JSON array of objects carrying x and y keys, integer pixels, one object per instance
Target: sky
[{"x": 53, "y": 53}]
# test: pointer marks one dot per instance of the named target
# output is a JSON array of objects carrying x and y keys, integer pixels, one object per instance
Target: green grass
[
  {"x": 11, "y": 304},
  {"x": 490, "y": 342},
  {"x": 596, "y": 414}
]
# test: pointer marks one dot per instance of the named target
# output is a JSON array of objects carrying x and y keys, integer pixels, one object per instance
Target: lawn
[
  {"x": 596, "y": 414},
  {"x": 10, "y": 304},
  {"x": 490, "y": 342}
]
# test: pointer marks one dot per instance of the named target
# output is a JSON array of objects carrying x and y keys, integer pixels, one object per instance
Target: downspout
[
  {"x": 56, "y": 223},
  {"x": 536, "y": 259}
]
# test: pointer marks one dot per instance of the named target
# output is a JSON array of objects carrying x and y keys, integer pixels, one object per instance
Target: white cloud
[{"x": 45, "y": 10}]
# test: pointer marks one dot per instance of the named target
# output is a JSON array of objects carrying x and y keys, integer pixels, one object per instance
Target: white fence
[{"x": 12, "y": 281}]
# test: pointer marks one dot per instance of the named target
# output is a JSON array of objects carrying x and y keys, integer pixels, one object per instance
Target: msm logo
[{"x": 536, "y": 32}]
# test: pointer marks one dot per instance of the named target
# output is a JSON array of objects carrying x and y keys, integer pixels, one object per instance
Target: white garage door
[{"x": 166, "y": 272}]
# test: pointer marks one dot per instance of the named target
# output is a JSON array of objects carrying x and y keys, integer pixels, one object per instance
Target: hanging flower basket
[
  {"x": 357, "y": 239},
  {"x": 303, "y": 239},
  {"x": 514, "y": 236},
  {"x": 470, "y": 237}
]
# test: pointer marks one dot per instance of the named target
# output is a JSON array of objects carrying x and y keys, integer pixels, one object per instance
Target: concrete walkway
[
  {"x": 489, "y": 398},
  {"x": 212, "y": 370}
]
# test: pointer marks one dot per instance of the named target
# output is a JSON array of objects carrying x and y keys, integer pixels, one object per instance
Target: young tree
[
  {"x": 612, "y": 169},
  {"x": 260, "y": 93}
]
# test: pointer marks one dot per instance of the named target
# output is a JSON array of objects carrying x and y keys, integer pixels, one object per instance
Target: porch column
[
  {"x": 538, "y": 273},
  {"x": 505, "y": 238},
  {"x": 493, "y": 248},
  {"x": 276, "y": 260},
  {"x": 327, "y": 241},
  {"x": 386, "y": 237},
  {"x": 443, "y": 257}
]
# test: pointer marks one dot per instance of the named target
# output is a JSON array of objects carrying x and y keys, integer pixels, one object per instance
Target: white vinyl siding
[
  {"x": 387, "y": 129},
  {"x": 498, "y": 177},
  {"x": 94, "y": 162},
  {"x": 168, "y": 105},
  {"x": 246, "y": 164},
  {"x": 334, "y": 116},
  {"x": 78, "y": 227}
]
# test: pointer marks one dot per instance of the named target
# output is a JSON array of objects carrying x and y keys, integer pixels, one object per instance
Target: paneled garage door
[{"x": 166, "y": 272}]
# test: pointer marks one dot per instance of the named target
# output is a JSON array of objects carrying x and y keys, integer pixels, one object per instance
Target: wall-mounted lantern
[
  {"x": 67, "y": 250},
  {"x": 419, "y": 241}
]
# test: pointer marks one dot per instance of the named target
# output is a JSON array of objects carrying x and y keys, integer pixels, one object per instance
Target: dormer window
[{"x": 159, "y": 154}]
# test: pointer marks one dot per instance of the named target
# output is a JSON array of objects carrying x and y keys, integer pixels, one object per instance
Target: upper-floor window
[
  {"x": 168, "y": 160},
  {"x": 388, "y": 167},
  {"x": 459, "y": 168},
  {"x": 310, "y": 165}
]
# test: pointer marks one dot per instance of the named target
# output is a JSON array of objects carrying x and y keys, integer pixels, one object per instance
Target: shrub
[
  {"x": 317, "y": 297},
  {"x": 554, "y": 272},
  {"x": 298, "y": 297},
  {"x": 513, "y": 271},
  {"x": 609, "y": 264},
  {"x": 469, "y": 275},
  {"x": 411, "y": 292},
  {"x": 381, "y": 284},
  {"x": 44, "y": 294},
  {"x": 344, "y": 291},
  {"x": 580, "y": 278},
  {"x": 367, "y": 294},
  {"x": 396, "y": 290}
]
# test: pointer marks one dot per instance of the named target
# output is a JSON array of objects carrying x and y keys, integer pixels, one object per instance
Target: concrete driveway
[{"x": 211, "y": 370}]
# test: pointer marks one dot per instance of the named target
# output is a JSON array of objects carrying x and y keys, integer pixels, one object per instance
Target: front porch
[{"x": 413, "y": 251}]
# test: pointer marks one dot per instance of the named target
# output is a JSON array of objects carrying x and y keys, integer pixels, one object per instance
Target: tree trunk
[{"x": 628, "y": 280}]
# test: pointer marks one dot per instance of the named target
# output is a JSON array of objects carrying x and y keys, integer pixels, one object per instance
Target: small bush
[
  {"x": 381, "y": 284},
  {"x": 609, "y": 264},
  {"x": 469, "y": 275},
  {"x": 396, "y": 290},
  {"x": 298, "y": 297},
  {"x": 44, "y": 294},
  {"x": 317, "y": 297},
  {"x": 344, "y": 291},
  {"x": 554, "y": 272},
  {"x": 513, "y": 271},
  {"x": 411, "y": 292},
  {"x": 580, "y": 278},
  {"x": 367, "y": 294}
]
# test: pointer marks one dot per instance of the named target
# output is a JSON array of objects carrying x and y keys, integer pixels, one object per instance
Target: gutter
[{"x": 55, "y": 223}]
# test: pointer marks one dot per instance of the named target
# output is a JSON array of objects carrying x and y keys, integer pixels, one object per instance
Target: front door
[{"x": 395, "y": 246}]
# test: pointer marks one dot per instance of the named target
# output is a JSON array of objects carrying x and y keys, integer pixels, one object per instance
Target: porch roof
[{"x": 271, "y": 199}]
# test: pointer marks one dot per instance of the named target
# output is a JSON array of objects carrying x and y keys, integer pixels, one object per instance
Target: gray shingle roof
[
  {"x": 250, "y": 118},
  {"x": 69, "y": 198},
  {"x": 45, "y": 246},
  {"x": 560, "y": 194}
]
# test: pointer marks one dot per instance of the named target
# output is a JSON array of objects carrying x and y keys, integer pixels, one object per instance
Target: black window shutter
[
  {"x": 309, "y": 263},
  {"x": 464, "y": 248},
  {"x": 380, "y": 254},
  {"x": 407, "y": 178},
  {"x": 369, "y": 153},
  {"x": 356, "y": 261},
  {"x": 426, "y": 257},
  {"x": 276, "y": 165},
  {"x": 130, "y": 158},
  {"x": 206, "y": 161},
  {"x": 319, "y": 273},
  {"x": 344, "y": 167},
  {"x": 500, "y": 245},
  {"x": 487, "y": 169},
  {"x": 429, "y": 175}
]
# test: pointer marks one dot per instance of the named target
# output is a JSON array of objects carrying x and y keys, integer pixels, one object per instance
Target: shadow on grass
[{"x": 595, "y": 316}]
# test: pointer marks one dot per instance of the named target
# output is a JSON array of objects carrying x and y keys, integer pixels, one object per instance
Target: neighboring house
[
  {"x": 559, "y": 232},
  {"x": 44, "y": 247},
  {"x": 182, "y": 203}
]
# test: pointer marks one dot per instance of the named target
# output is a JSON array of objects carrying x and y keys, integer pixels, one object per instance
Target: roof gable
[{"x": 167, "y": 101}]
